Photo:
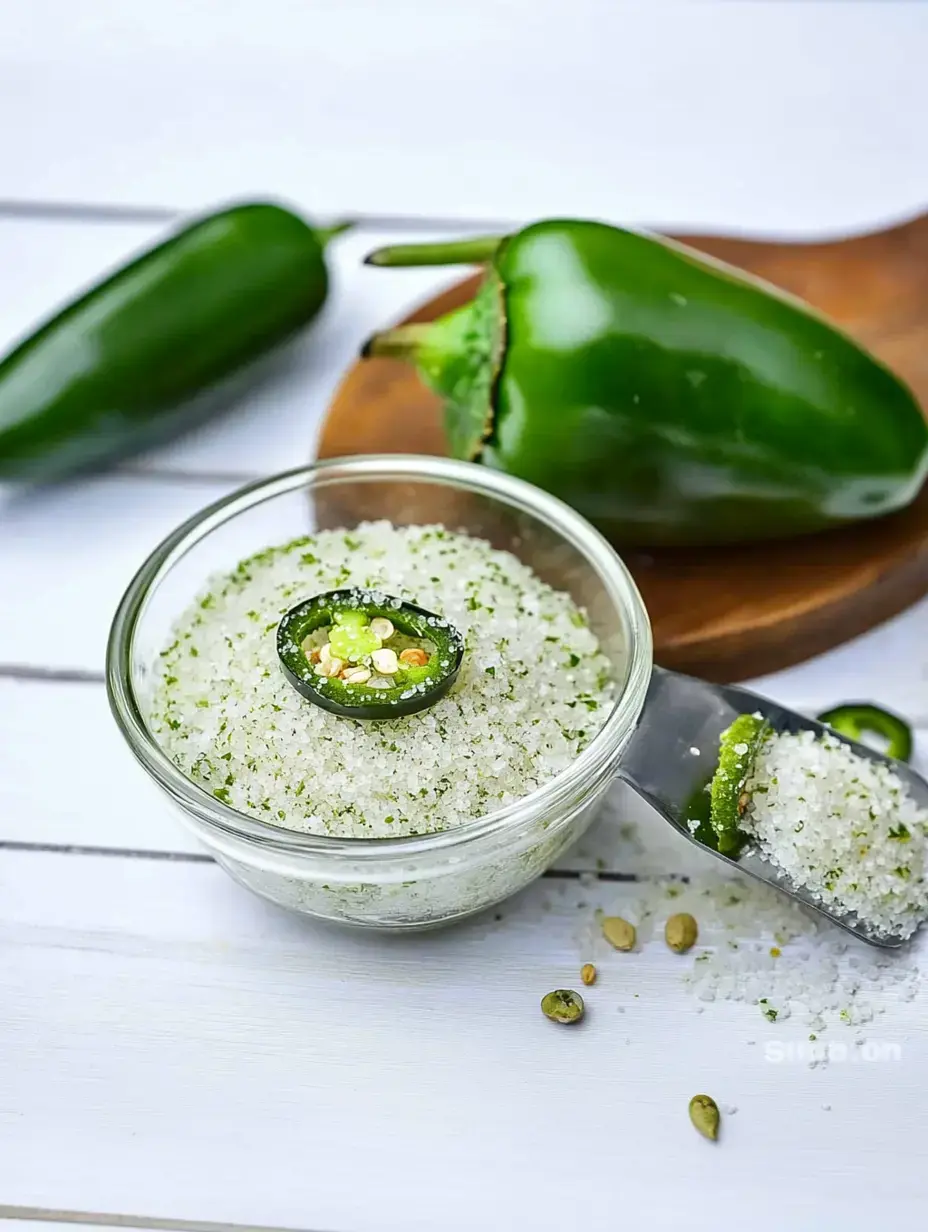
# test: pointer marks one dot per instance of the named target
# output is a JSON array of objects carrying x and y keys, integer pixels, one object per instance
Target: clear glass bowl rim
[{"x": 595, "y": 760}]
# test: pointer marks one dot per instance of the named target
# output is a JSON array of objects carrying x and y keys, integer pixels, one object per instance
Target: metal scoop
[{"x": 675, "y": 751}]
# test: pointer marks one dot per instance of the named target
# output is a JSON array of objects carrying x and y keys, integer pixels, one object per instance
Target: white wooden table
[{"x": 175, "y": 1053}]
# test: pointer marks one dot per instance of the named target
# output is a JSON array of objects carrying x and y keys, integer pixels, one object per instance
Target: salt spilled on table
[{"x": 763, "y": 950}]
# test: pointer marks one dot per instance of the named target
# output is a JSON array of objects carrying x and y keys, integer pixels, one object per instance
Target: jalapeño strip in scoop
[
  {"x": 738, "y": 747},
  {"x": 345, "y": 651}
]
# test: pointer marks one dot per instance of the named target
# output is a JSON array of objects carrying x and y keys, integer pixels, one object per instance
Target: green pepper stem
[
  {"x": 403, "y": 342},
  {"x": 325, "y": 234},
  {"x": 473, "y": 251},
  {"x": 458, "y": 357}
]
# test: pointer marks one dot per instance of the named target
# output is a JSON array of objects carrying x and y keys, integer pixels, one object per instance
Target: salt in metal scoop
[{"x": 674, "y": 752}]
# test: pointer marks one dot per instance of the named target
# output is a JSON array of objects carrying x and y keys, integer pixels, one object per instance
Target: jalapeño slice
[
  {"x": 738, "y": 747},
  {"x": 356, "y": 621},
  {"x": 855, "y": 719}
]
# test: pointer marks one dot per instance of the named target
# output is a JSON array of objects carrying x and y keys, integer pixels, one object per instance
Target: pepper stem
[
  {"x": 403, "y": 342},
  {"x": 474, "y": 251},
  {"x": 458, "y": 357},
  {"x": 325, "y": 234}
]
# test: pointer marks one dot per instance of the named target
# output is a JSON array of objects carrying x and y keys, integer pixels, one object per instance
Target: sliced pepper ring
[
  {"x": 415, "y": 688},
  {"x": 738, "y": 747},
  {"x": 854, "y": 719}
]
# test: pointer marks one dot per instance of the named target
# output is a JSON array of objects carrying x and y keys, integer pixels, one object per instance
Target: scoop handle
[{"x": 675, "y": 746}]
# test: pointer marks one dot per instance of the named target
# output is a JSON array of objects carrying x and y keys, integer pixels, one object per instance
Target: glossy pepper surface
[
  {"x": 156, "y": 346},
  {"x": 349, "y": 613},
  {"x": 670, "y": 398},
  {"x": 858, "y": 719}
]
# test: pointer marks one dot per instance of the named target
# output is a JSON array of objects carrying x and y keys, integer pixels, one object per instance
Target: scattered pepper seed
[
  {"x": 704, "y": 1113},
  {"x": 359, "y": 675},
  {"x": 588, "y": 973},
  {"x": 385, "y": 662},
  {"x": 775, "y": 951},
  {"x": 563, "y": 1005},
  {"x": 413, "y": 656},
  {"x": 619, "y": 933},
  {"x": 309, "y": 649},
  {"x": 382, "y": 628},
  {"x": 680, "y": 932},
  {"x": 329, "y": 666}
]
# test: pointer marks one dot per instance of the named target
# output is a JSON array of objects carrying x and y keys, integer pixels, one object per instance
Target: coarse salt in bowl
[{"x": 413, "y": 880}]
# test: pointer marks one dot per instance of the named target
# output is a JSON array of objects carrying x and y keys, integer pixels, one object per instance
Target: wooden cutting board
[{"x": 734, "y": 613}]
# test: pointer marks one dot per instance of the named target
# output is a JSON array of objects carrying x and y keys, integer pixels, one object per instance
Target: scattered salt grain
[{"x": 823, "y": 977}]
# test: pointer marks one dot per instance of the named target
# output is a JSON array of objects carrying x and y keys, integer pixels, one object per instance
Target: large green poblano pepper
[{"x": 669, "y": 397}]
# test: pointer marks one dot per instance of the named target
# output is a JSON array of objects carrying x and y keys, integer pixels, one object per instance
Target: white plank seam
[
  {"x": 29, "y": 673},
  {"x": 99, "y": 212},
  {"x": 169, "y": 474},
  {"x": 30, "y": 1214},
  {"x": 81, "y": 849},
  {"x": 194, "y": 857}
]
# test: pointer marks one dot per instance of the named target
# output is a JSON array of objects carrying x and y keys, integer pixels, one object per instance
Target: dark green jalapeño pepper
[
  {"x": 670, "y": 398},
  {"x": 159, "y": 344},
  {"x": 342, "y": 672},
  {"x": 858, "y": 719}
]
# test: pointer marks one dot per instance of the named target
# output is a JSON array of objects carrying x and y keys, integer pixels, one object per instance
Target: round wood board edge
[{"x": 723, "y": 614}]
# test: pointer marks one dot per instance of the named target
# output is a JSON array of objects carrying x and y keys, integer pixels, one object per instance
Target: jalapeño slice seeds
[{"x": 364, "y": 654}]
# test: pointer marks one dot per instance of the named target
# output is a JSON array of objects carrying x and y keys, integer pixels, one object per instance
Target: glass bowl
[{"x": 404, "y": 882}]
